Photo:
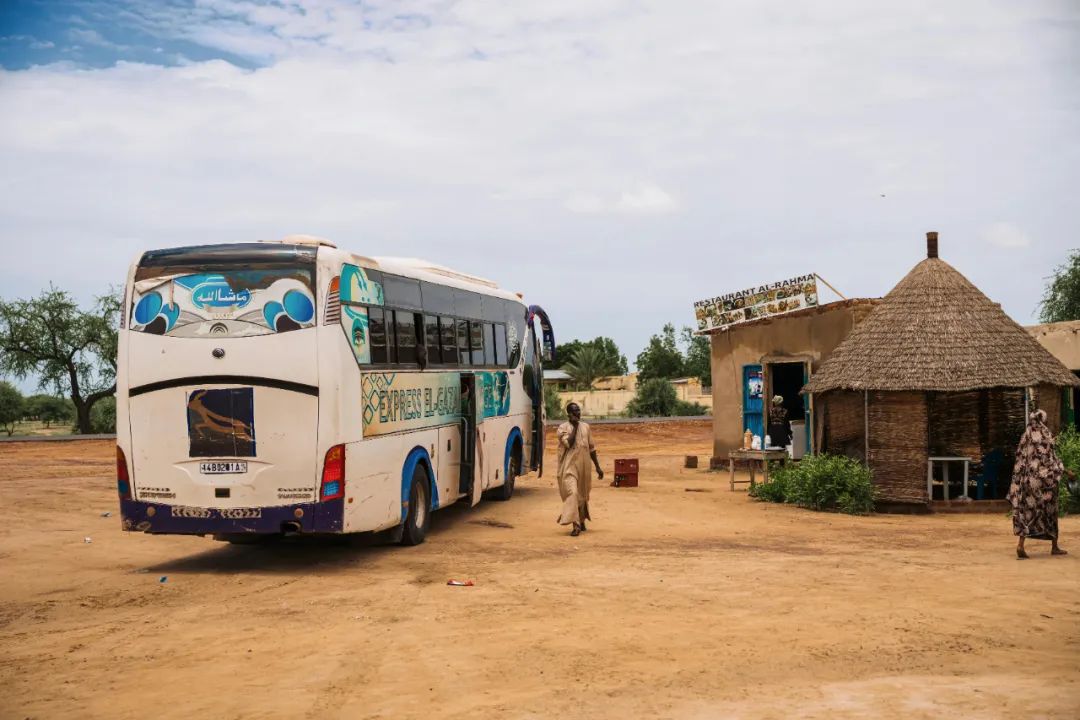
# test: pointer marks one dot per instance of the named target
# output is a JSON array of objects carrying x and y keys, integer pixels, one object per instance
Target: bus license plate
[{"x": 223, "y": 468}]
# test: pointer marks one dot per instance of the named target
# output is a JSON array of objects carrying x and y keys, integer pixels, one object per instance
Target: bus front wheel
[{"x": 419, "y": 516}]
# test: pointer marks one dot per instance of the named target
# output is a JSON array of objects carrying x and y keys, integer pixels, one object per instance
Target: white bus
[{"x": 292, "y": 387}]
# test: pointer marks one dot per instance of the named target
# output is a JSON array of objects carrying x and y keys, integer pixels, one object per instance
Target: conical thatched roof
[{"x": 936, "y": 331}]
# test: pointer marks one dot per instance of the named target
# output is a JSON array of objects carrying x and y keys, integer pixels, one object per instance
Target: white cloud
[
  {"x": 90, "y": 37},
  {"x": 1005, "y": 235},
  {"x": 522, "y": 141},
  {"x": 643, "y": 199}
]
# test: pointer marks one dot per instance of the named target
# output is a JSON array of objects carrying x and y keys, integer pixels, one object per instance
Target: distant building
[
  {"x": 610, "y": 396},
  {"x": 557, "y": 380},
  {"x": 757, "y": 359},
  {"x": 1062, "y": 339}
]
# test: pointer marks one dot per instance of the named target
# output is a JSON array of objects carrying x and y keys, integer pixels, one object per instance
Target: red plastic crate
[{"x": 626, "y": 472}]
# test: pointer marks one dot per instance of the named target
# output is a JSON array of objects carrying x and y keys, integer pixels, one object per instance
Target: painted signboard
[
  {"x": 494, "y": 393},
  {"x": 396, "y": 402},
  {"x": 755, "y": 303}
]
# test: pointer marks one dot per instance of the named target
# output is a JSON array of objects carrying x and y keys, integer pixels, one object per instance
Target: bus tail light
[
  {"x": 123, "y": 479},
  {"x": 333, "y": 474}
]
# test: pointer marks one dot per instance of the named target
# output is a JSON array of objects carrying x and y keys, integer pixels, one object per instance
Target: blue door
[{"x": 753, "y": 389}]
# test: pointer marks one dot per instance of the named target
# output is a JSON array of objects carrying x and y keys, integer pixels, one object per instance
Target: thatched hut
[{"x": 937, "y": 370}]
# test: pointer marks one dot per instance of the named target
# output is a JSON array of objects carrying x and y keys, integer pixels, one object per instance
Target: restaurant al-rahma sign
[{"x": 755, "y": 303}]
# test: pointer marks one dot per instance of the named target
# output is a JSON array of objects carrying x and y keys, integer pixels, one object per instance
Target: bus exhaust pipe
[{"x": 290, "y": 528}]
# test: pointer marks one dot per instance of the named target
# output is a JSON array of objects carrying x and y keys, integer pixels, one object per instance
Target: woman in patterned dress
[{"x": 1034, "y": 489}]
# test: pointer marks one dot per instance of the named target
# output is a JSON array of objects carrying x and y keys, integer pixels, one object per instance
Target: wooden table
[
  {"x": 753, "y": 457},
  {"x": 944, "y": 475}
]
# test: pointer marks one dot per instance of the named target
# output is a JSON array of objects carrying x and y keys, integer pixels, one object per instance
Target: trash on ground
[
  {"x": 163, "y": 578},
  {"x": 460, "y": 583},
  {"x": 106, "y": 514},
  {"x": 697, "y": 490},
  {"x": 87, "y": 540}
]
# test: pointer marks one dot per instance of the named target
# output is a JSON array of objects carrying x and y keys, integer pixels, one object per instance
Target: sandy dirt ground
[{"x": 674, "y": 604}]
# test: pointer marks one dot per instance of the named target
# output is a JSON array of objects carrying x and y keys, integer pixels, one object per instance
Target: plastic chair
[{"x": 989, "y": 469}]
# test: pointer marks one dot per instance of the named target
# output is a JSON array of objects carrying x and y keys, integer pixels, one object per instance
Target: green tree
[
  {"x": 71, "y": 350},
  {"x": 49, "y": 409},
  {"x": 614, "y": 359},
  {"x": 12, "y": 407},
  {"x": 1061, "y": 300},
  {"x": 589, "y": 364},
  {"x": 698, "y": 361},
  {"x": 553, "y": 406},
  {"x": 661, "y": 357},
  {"x": 566, "y": 353},
  {"x": 654, "y": 398}
]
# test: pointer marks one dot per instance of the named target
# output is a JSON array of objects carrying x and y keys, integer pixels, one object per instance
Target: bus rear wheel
[
  {"x": 418, "y": 518},
  {"x": 506, "y": 490}
]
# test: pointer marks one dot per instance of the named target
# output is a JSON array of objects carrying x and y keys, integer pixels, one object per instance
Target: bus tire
[
  {"x": 417, "y": 520},
  {"x": 506, "y": 491}
]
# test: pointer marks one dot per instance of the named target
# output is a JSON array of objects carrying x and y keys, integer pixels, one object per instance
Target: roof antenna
[{"x": 931, "y": 244}]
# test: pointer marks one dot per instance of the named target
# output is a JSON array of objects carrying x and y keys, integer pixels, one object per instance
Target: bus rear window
[{"x": 205, "y": 294}]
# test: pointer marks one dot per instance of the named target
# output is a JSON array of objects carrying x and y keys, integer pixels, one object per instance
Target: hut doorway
[{"x": 786, "y": 379}]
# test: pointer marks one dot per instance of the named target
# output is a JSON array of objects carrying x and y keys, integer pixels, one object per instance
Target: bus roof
[
  {"x": 303, "y": 248},
  {"x": 433, "y": 272}
]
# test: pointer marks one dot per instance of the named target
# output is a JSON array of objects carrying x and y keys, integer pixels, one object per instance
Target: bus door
[
  {"x": 537, "y": 358},
  {"x": 470, "y": 483}
]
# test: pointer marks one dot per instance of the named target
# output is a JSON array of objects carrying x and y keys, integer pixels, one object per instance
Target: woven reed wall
[
  {"x": 1048, "y": 398},
  {"x": 898, "y": 448},
  {"x": 1005, "y": 419},
  {"x": 840, "y": 418},
  {"x": 954, "y": 423}
]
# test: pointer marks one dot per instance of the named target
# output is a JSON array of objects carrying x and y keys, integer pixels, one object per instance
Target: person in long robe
[
  {"x": 779, "y": 425},
  {"x": 576, "y": 449},
  {"x": 1035, "y": 485}
]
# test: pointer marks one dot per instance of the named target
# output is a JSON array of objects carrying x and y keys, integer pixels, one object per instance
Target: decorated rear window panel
[{"x": 231, "y": 302}]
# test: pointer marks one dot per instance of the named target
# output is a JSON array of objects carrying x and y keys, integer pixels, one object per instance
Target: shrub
[
  {"x": 689, "y": 409},
  {"x": 776, "y": 489},
  {"x": 654, "y": 398},
  {"x": 821, "y": 482},
  {"x": 103, "y": 416},
  {"x": 1068, "y": 449},
  {"x": 553, "y": 406}
]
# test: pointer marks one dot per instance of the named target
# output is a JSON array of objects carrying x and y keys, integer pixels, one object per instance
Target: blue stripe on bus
[
  {"x": 416, "y": 456},
  {"x": 515, "y": 433}
]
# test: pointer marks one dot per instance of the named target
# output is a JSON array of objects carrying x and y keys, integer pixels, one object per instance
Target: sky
[{"x": 614, "y": 161}]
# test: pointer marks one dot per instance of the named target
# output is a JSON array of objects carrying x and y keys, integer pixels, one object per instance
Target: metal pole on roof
[{"x": 830, "y": 286}]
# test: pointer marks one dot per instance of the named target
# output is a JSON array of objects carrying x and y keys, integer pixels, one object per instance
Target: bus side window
[
  {"x": 500, "y": 345},
  {"x": 377, "y": 333},
  {"x": 476, "y": 332},
  {"x": 431, "y": 333},
  {"x": 405, "y": 325},
  {"x": 448, "y": 333},
  {"x": 489, "y": 344},
  {"x": 463, "y": 341}
]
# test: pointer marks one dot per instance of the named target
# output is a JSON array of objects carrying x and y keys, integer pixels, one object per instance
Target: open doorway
[
  {"x": 1073, "y": 411},
  {"x": 786, "y": 379}
]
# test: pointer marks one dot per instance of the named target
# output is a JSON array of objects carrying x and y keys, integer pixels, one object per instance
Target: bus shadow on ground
[
  {"x": 280, "y": 555},
  {"x": 290, "y": 555}
]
